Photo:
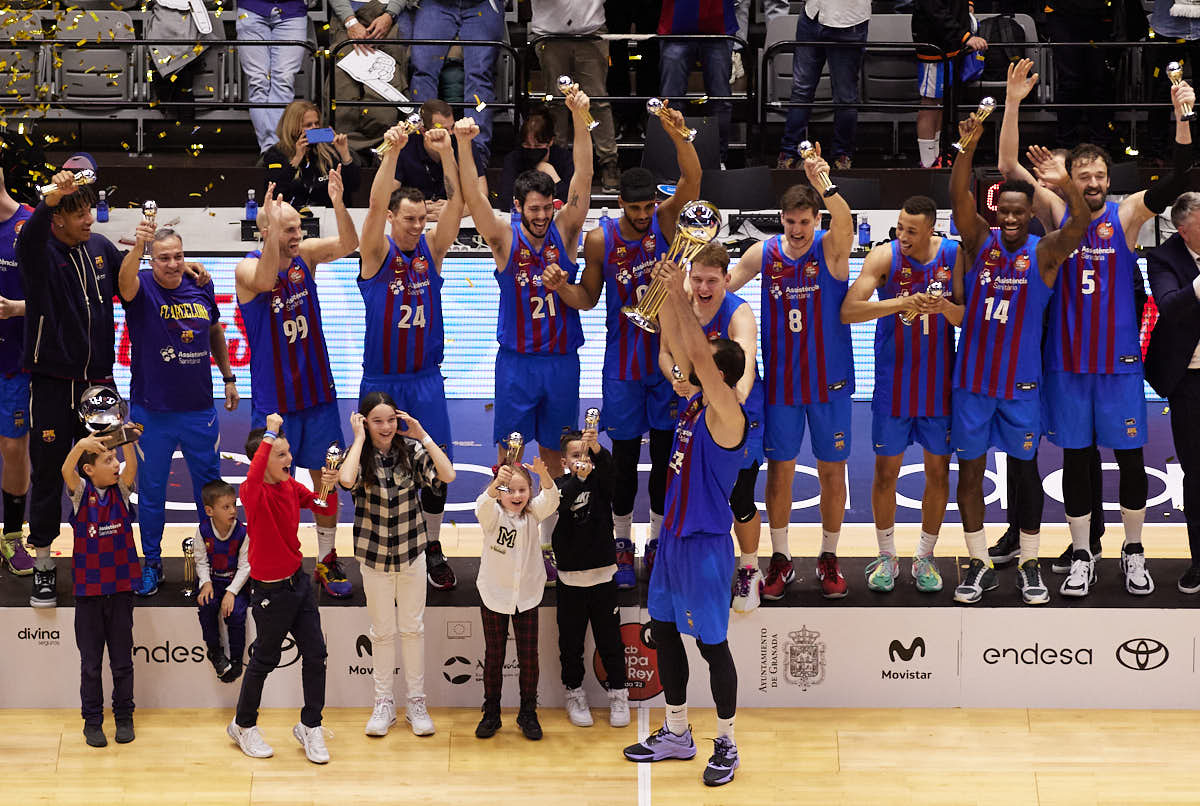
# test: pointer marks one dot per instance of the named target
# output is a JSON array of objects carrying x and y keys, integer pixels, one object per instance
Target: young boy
[
  {"x": 282, "y": 599},
  {"x": 105, "y": 570},
  {"x": 222, "y": 570},
  {"x": 587, "y": 565}
]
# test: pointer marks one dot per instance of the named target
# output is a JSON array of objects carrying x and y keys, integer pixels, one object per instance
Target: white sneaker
[
  {"x": 382, "y": 718},
  {"x": 313, "y": 742},
  {"x": 418, "y": 716},
  {"x": 577, "y": 708},
  {"x": 1137, "y": 576},
  {"x": 250, "y": 740},
  {"x": 737, "y": 69},
  {"x": 618, "y": 707},
  {"x": 746, "y": 584},
  {"x": 1082, "y": 575}
]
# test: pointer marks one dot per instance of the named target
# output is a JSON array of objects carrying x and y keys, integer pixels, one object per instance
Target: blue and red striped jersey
[
  {"x": 700, "y": 477},
  {"x": 807, "y": 354},
  {"x": 12, "y": 329},
  {"x": 630, "y": 353},
  {"x": 1000, "y": 350},
  {"x": 718, "y": 328},
  {"x": 404, "y": 313},
  {"x": 697, "y": 17},
  {"x": 105, "y": 558},
  {"x": 289, "y": 363},
  {"x": 222, "y": 554},
  {"x": 532, "y": 320}
]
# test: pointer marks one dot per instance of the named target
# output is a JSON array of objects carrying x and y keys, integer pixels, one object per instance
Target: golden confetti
[
  {"x": 124, "y": 145},
  {"x": 173, "y": 78},
  {"x": 161, "y": 135},
  {"x": 81, "y": 42},
  {"x": 196, "y": 196},
  {"x": 479, "y": 105}
]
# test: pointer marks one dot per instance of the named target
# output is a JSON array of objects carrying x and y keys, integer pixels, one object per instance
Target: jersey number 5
[{"x": 295, "y": 328}]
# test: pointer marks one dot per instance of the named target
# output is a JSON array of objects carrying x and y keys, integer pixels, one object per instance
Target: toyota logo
[{"x": 1142, "y": 654}]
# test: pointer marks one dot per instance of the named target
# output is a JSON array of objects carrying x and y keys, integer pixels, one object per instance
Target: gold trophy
[
  {"x": 1175, "y": 73},
  {"x": 658, "y": 108},
  {"x": 591, "y": 418},
  {"x": 150, "y": 212},
  {"x": 516, "y": 443},
  {"x": 567, "y": 85},
  {"x": 333, "y": 460},
  {"x": 189, "y": 567},
  {"x": 410, "y": 126},
  {"x": 807, "y": 151},
  {"x": 936, "y": 289},
  {"x": 699, "y": 223},
  {"x": 103, "y": 412},
  {"x": 985, "y": 108},
  {"x": 85, "y": 177}
]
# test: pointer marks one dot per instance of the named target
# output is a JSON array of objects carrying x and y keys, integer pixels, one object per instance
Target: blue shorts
[
  {"x": 309, "y": 432},
  {"x": 931, "y": 78},
  {"x": 14, "y": 405},
  {"x": 421, "y": 394},
  {"x": 828, "y": 422},
  {"x": 537, "y": 395},
  {"x": 631, "y": 408},
  {"x": 690, "y": 585},
  {"x": 1107, "y": 410},
  {"x": 891, "y": 435},
  {"x": 980, "y": 422}
]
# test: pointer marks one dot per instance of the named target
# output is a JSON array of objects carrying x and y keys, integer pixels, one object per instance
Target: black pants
[
  {"x": 620, "y": 17},
  {"x": 54, "y": 426},
  {"x": 102, "y": 621},
  {"x": 287, "y": 607},
  {"x": 1083, "y": 75},
  {"x": 577, "y": 607},
  {"x": 1185, "y": 412}
]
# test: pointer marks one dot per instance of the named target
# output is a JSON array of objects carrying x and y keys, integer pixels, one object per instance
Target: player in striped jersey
[
  {"x": 914, "y": 361},
  {"x": 998, "y": 370},
  {"x": 289, "y": 362},
  {"x": 1094, "y": 377},
  {"x": 619, "y": 257},
  {"x": 808, "y": 366},
  {"x": 400, "y": 279}
]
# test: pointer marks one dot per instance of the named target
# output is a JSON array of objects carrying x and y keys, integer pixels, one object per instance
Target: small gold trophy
[
  {"x": 189, "y": 567},
  {"x": 591, "y": 418},
  {"x": 150, "y": 212},
  {"x": 566, "y": 86},
  {"x": 807, "y": 151},
  {"x": 936, "y": 289},
  {"x": 410, "y": 126},
  {"x": 85, "y": 177},
  {"x": 1175, "y": 73},
  {"x": 333, "y": 460},
  {"x": 658, "y": 108},
  {"x": 516, "y": 443},
  {"x": 985, "y": 108}
]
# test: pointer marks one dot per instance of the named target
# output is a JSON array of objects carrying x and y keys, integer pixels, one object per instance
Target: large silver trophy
[
  {"x": 103, "y": 412},
  {"x": 936, "y": 289}
]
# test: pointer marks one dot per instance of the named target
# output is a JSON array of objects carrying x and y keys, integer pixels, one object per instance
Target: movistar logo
[{"x": 906, "y": 652}]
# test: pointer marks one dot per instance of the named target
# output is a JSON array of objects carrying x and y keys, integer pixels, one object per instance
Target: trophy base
[
  {"x": 593, "y": 125},
  {"x": 958, "y": 147},
  {"x": 122, "y": 435},
  {"x": 1188, "y": 116},
  {"x": 907, "y": 320},
  {"x": 640, "y": 319},
  {"x": 829, "y": 191}
]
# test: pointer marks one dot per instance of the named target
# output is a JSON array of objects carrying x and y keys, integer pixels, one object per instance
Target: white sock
[
  {"x": 655, "y": 525},
  {"x": 1030, "y": 545},
  {"x": 929, "y": 151},
  {"x": 433, "y": 525},
  {"x": 725, "y": 727},
  {"x": 43, "y": 561},
  {"x": 1080, "y": 527},
  {"x": 1133, "y": 520},
  {"x": 326, "y": 538},
  {"x": 829, "y": 541},
  {"x": 750, "y": 559},
  {"x": 779, "y": 541},
  {"x": 926, "y": 544},
  {"x": 677, "y": 719},
  {"x": 977, "y": 546},
  {"x": 622, "y": 526},
  {"x": 886, "y": 539}
]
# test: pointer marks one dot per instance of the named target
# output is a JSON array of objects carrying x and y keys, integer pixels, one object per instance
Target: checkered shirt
[
  {"x": 389, "y": 529},
  {"x": 105, "y": 558}
]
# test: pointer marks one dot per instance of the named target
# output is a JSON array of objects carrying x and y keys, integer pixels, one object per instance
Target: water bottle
[
  {"x": 251, "y": 206},
  {"x": 102, "y": 207},
  {"x": 603, "y": 214},
  {"x": 864, "y": 233}
]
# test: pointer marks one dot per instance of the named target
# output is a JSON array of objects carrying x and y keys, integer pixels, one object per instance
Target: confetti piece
[
  {"x": 173, "y": 78},
  {"x": 701, "y": 100},
  {"x": 81, "y": 42},
  {"x": 469, "y": 283},
  {"x": 161, "y": 135},
  {"x": 196, "y": 196},
  {"x": 195, "y": 129},
  {"x": 124, "y": 145},
  {"x": 479, "y": 105},
  {"x": 218, "y": 132}
]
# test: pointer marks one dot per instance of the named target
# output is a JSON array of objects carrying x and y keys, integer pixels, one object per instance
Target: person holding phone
[{"x": 299, "y": 164}]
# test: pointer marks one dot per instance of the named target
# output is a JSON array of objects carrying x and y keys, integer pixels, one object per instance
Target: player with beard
[
  {"x": 998, "y": 370},
  {"x": 914, "y": 362},
  {"x": 619, "y": 256},
  {"x": 1094, "y": 376}
]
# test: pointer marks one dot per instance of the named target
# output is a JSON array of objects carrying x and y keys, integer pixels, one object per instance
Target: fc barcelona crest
[
  {"x": 186, "y": 336},
  {"x": 776, "y": 268},
  {"x": 993, "y": 254}
]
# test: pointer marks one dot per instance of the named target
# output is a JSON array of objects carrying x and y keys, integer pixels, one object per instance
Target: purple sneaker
[
  {"x": 12, "y": 549},
  {"x": 625, "y": 577},
  {"x": 662, "y": 745}
]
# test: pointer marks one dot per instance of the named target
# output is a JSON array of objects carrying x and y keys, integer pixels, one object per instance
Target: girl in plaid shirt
[{"x": 385, "y": 478}]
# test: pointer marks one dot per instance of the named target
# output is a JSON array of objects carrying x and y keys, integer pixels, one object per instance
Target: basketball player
[
  {"x": 400, "y": 279},
  {"x": 723, "y": 315},
  {"x": 998, "y": 369},
  {"x": 619, "y": 257},
  {"x": 809, "y": 366},
  {"x": 689, "y": 586},
  {"x": 289, "y": 363},
  {"x": 914, "y": 362},
  {"x": 1094, "y": 376},
  {"x": 537, "y": 365}
]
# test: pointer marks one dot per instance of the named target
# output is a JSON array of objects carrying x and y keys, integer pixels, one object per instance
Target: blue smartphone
[{"x": 320, "y": 135}]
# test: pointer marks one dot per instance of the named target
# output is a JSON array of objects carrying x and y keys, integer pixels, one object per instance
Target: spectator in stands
[
  {"x": 625, "y": 17},
  {"x": 299, "y": 169},
  {"x": 354, "y": 19},
  {"x": 419, "y": 165},
  {"x": 585, "y": 61},
  {"x": 480, "y": 20},
  {"x": 1184, "y": 32},
  {"x": 947, "y": 26},
  {"x": 826, "y": 21},
  {"x": 270, "y": 70},
  {"x": 175, "y": 66},
  {"x": 537, "y": 152},
  {"x": 1082, "y": 75},
  {"x": 699, "y": 17},
  {"x": 770, "y": 10}
]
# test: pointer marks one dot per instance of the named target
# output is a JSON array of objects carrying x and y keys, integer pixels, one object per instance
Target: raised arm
[
  {"x": 1053, "y": 249},
  {"x": 129, "y": 472},
  {"x": 414, "y": 429},
  {"x": 747, "y": 268},
  {"x": 1047, "y": 206},
  {"x": 858, "y": 305},
  {"x": 351, "y": 462},
  {"x": 322, "y": 250},
  {"x": 70, "y": 465},
  {"x": 971, "y": 225},
  {"x": 445, "y": 231},
  {"x": 255, "y": 276},
  {"x": 690, "y": 173},
  {"x": 127, "y": 280},
  {"x": 840, "y": 239},
  {"x": 1139, "y": 208},
  {"x": 492, "y": 227},
  {"x": 579, "y": 198},
  {"x": 374, "y": 246}
]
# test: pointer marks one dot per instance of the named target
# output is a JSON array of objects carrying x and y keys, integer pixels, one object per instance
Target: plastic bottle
[
  {"x": 864, "y": 233},
  {"x": 102, "y": 207},
  {"x": 251, "y": 206}
]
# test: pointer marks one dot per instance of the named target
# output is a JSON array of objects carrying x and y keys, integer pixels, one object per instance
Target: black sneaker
[
  {"x": 235, "y": 671},
  {"x": 45, "y": 593},
  {"x": 527, "y": 721},
  {"x": 220, "y": 661},
  {"x": 125, "y": 730},
  {"x": 1062, "y": 565},
  {"x": 1190, "y": 581},
  {"x": 1007, "y": 548},
  {"x": 722, "y": 763},
  {"x": 488, "y": 726},
  {"x": 94, "y": 736},
  {"x": 440, "y": 574},
  {"x": 978, "y": 579}
]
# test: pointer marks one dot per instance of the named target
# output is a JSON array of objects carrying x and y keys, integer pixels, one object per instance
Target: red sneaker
[
  {"x": 833, "y": 584},
  {"x": 330, "y": 576},
  {"x": 780, "y": 574}
]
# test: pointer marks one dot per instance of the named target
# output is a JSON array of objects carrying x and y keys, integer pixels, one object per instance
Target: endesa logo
[
  {"x": 1038, "y": 655},
  {"x": 167, "y": 652}
]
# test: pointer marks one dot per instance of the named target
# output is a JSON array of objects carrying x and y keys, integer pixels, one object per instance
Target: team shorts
[
  {"x": 420, "y": 394},
  {"x": 690, "y": 584},
  {"x": 932, "y": 77},
  {"x": 891, "y": 435},
  {"x": 537, "y": 395},
  {"x": 829, "y": 424},
  {"x": 309, "y": 432},
  {"x": 979, "y": 422},
  {"x": 631, "y": 408},
  {"x": 1082, "y": 409},
  {"x": 14, "y": 405}
]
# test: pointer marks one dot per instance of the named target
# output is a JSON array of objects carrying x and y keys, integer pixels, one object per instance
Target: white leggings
[{"x": 396, "y": 605}]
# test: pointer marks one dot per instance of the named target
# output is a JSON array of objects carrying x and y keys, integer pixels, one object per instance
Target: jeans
[
  {"x": 587, "y": 63},
  {"x": 844, "y": 67},
  {"x": 197, "y": 434},
  {"x": 270, "y": 71},
  {"x": 105, "y": 621},
  {"x": 468, "y": 20},
  {"x": 396, "y": 606},
  {"x": 716, "y": 59},
  {"x": 1083, "y": 75}
]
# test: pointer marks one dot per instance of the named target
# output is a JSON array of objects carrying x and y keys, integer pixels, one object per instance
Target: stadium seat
[
  {"x": 889, "y": 76},
  {"x": 87, "y": 74},
  {"x": 778, "y": 85},
  {"x": 21, "y": 69},
  {"x": 741, "y": 189}
]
